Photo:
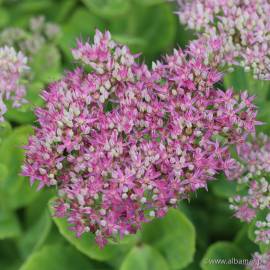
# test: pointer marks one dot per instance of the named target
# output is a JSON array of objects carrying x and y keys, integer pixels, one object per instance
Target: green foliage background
[{"x": 189, "y": 235}]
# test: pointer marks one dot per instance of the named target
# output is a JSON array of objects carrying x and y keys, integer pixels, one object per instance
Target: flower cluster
[
  {"x": 13, "y": 67},
  {"x": 30, "y": 41},
  {"x": 260, "y": 261},
  {"x": 17, "y": 48},
  {"x": 241, "y": 26},
  {"x": 122, "y": 143},
  {"x": 254, "y": 200}
]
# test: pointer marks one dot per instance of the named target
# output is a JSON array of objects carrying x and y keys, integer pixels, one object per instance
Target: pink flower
[
  {"x": 245, "y": 213},
  {"x": 254, "y": 185},
  {"x": 13, "y": 66},
  {"x": 260, "y": 261},
  {"x": 234, "y": 32},
  {"x": 122, "y": 143}
]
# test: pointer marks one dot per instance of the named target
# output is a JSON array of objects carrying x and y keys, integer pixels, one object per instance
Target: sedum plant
[
  {"x": 35, "y": 46},
  {"x": 30, "y": 40},
  {"x": 122, "y": 143},
  {"x": 13, "y": 68},
  {"x": 252, "y": 203},
  {"x": 260, "y": 261},
  {"x": 241, "y": 27}
]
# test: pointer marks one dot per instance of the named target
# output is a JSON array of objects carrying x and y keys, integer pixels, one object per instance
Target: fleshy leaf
[
  {"x": 139, "y": 26},
  {"x": 144, "y": 258},
  {"x": 244, "y": 242},
  {"x": 223, "y": 188},
  {"x": 241, "y": 81},
  {"x": 9, "y": 225},
  {"x": 173, "y": 236},
  {"x": 35, "y": 236},
  {"x": 108, "y": 8},
  {"x": 15, "y": 190},
  {"x": 58, "y": 257},
  {"x": 82, "y": 24},
  {"x": 5, "y": 130},
  {"x": 46, "y": 64},
  {"x": 149, "y": 2},
  {"x": 4, "y": 17},
  {"x": 9, "y": 256},
  {"x": 25, "y": 113},
  {"x": 223, "y": 256}
]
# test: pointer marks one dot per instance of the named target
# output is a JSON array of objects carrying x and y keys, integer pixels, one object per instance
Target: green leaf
[
  {"x": 223, "y": 256},
  {"x": 200, "y": 220},
  {"x": 4, "y": 17},
  {"x": 87, "y": 245},
  {"x": 149, "y": 2},
  {"x": 220, "y": 210},
  {"x": 36, "y": 209},
  {"x": 22, "y": 115},
  {"x": 58, "y": 257},
  {"x": 9, "y": 256},
  {"x": 54, "y": 237},
  {"x": 241, "y": 81},
  {"x": 46, "y": 64},
  {"x": 108, "y": 8},
  {"x": 15, "y": 190},
  {"x": 132, "y": 42},
  {"x": 5, "y": 130},
  {"x": 3, "y": 174},
  {"x": 32, "y": 6},
  {"x": 242, "y": 240},
  {"x": 165, "y": 26},
  {"x": 184, "y": 35},
  {"x": 33, "y": 95},
  {"x": 65, "y": 8},
  {"x": 22, "y": 11},
  {"x": 82, "y": 24},
  {"x": 138, "y": 26},
  {"x": 144, "y": 258},
  {"x": 223, "y": 188},
  {"x": 263, "y": 116},
  {"x": 14, "y": 142},
  {"x": 25, "y": 113},
  {"x": 35, "y": 236},
  {"x": 173, "y": 236},
  {"x": 9, "y": 225}
]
